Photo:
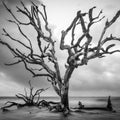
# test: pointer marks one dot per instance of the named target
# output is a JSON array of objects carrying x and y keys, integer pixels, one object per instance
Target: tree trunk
[
  {"x": 65, "y": 98},
  {"x": 65, "y": 90}
]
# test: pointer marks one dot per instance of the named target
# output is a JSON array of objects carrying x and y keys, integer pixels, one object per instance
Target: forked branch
[
  {"x": 81, "y": 50},
  {"x": 39, "y": 21}
]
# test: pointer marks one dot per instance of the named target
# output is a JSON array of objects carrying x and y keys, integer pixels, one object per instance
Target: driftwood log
[{"x": 108, "y": 107}]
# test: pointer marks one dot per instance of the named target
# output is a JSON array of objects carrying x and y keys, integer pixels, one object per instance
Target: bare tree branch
[
  {"x": 80, "y": 48},
  {"x": 75, "y": 50}
]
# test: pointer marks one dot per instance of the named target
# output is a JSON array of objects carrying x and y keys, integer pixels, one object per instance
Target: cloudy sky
[{"x": 100, "y": 77}]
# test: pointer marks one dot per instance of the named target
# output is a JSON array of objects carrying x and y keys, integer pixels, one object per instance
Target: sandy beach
[{"x": 33, "y": 113}]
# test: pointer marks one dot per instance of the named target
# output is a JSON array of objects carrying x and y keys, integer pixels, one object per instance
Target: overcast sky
[{"x": 100, "y": 77}]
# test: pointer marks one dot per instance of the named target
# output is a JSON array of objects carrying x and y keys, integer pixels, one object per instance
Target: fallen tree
[{"x": 31, "y": 99}]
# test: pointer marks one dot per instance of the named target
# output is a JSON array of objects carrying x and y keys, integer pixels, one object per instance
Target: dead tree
[
  {"x": 80, "y": 50},
  {"x": 33, "y": 98},
  {"x": 30, "y": 99}
]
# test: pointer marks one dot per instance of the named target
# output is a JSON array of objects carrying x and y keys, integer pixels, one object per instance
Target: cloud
[
  {"x": 99, "y": 75},
  {"x": 8, "y": 87}
]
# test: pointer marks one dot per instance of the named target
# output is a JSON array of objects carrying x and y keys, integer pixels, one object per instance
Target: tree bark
[
  {"x": 65, "y": 89},
  {"x": 65, "y": 97}
]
